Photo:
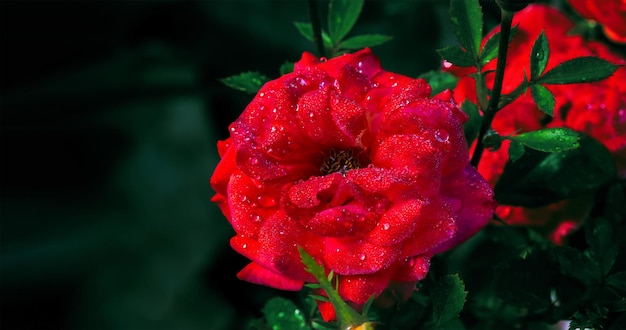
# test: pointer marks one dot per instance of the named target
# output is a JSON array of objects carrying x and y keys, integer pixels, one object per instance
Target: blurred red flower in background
[
  {"x": 610, "y": 13},
  {"x": 357, "y": 165},
  {"x": 597, "y": 109}
]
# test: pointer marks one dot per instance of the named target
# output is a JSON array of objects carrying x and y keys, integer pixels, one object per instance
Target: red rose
[
  {"x": 610, "y": 13},
  {"x": 357, "y": 165},
  {"x": 597, "y": 109}
]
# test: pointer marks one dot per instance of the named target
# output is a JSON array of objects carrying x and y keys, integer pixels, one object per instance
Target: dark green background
[{"x": 110, "y": 114}]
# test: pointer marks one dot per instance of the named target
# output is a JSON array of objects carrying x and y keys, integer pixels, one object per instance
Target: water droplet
[
  {"x": 261, "y": 94},
  {"x": 362, "y": 256},
  {"x": 323, "y": 59},
  {"x": 282, "y": 232},
  {"x": 266, "y": 201},
  {"x": 386, "y": 226},
  {"x": 255, "y": 218},
  {"x": 301, "y": 81},
  {"x": 245, "y": 246},
  {"x": 442, "y": 136},
  {"x": 281, "y": 314},
  {"x": 381, "y": 206},
  {"x": 254, "y": 161}
]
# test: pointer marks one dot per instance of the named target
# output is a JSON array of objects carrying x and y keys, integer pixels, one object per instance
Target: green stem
[
  {"x": 492, "y": 108},
  {"x": 317, "y": 28}
]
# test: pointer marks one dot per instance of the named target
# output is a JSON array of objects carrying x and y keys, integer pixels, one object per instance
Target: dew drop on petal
[
  {"x": 386, "y": 226},
  {"x": 323, "y": 59},
  {"x": 254, "y": 161},
  {"x": 381, "y": 206},
  {"x": 362, "y": 256},
  {"x": 442, "y": 136},
  {"x": 255, "y": 218},
  {"x": 266, "y": 201},
  {"x": 245, "y": 246}
]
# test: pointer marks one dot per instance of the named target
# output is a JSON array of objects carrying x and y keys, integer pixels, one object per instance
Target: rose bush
[
  {"x": 597, "y": 109},
  {"x": 358, "y": 166},
  {"x": 610, "y": 13}
]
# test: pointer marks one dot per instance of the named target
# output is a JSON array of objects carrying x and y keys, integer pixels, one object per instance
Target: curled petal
[{"x": 254, "y": 273}]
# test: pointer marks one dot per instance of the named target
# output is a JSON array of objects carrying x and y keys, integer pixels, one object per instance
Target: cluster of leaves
[
  {"x": 342, "y": 15},
  {"x": 467, "y": 20}
]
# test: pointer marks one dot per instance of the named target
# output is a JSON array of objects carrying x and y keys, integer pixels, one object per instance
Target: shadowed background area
[{"x": 110, "y": 115}]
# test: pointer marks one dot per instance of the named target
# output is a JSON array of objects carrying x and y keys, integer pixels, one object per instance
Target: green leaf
[
  {"x": 448, "y": 296},
  {"x": 286, "y": 68},
  {"x": 543, "y": 97},
  {"x": 579, "y": 70},
  {"x": 555, "y": 139},
  {"x": 439, "y": 81},
  {"x": 305, "y": 29},
  {"x": 617, "y": 281},
  {"x": 342, "y": 14},
  {"x": 539, "y": 178},
  {"x": 615, "y": 200},
  {"x": 516, "y": 150},
  {"x": 472, "y": 125},
  {"x": 249, "y": 82},
  {"x": 490, "y": 49},
  {"x": 362, "y": 41},
  {"x": 539, "y": 56},
  {"x": 281, "y": 313},
  {"x": 576, "y": 264},
  {"x": 590, "y": 318},
  {"x": 467, "y": 20},
  {"x": 456, "y": 56},
  {"x": 600, "y": 235},
  {"x": 524, "y": 282}
]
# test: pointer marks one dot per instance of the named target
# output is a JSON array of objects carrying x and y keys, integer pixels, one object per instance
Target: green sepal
[
  {"x": 362, "y": 41},
  {"x": 342, "y": 14},
  {"x": 282, "y": 313},
  {"x": 555, "y": 139},
  {"x": 467, "y": 20},
  {"x": 539, "y": 178},
  {"x": 471, "y": 127},
  {"x": 544, "y": 98},
  {"x": 578, "y": 70},
  {"x": 539, "y": 56},
  {"x": 249, "y": 82},
  {"x": 456, "y": 56}
]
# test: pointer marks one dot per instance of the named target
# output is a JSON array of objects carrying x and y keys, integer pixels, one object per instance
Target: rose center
[{"x": 339, "y": 161}]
